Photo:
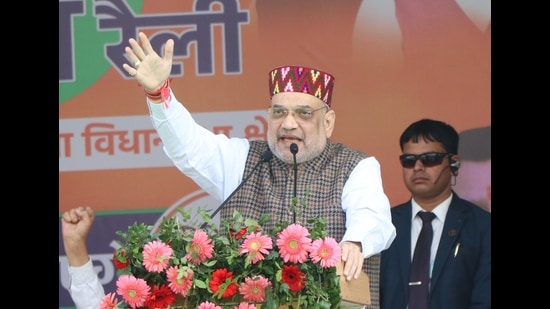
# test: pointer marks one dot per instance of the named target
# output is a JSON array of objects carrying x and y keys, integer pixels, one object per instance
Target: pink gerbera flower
[
  {"x": 180, "y": 279},
  {"x": 245, "y": 306},
  {"x": 294, "y": 243},
  {"x": 326, "y": 252},
  {"x": 256, "y": 245},
  {"x": 134, "y": 291},
  {"x": 108, "y": 302},
  {"x": 254, "y": 289},
  {"x": 208, "y": 305},
  {"x": 156, "y": 256},
  {"x": 200, "y": 248}
]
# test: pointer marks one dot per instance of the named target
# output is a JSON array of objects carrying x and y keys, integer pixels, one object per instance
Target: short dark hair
[{"x": 431, "y": 131}]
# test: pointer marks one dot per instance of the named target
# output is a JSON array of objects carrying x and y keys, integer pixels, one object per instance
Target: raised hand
[
  {"x": 75, "y": 226},
  {"x": 150, "y": 70}
]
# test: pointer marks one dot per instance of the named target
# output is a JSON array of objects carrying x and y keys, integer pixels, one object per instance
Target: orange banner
[{"x": 393, "y": 64}]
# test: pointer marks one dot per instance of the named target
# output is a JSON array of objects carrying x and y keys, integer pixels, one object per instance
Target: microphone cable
[
  {"x": 294, "y": 150},
  {"x": 265, "y": 157}
]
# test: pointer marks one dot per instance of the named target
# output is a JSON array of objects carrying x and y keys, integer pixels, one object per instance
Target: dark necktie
[{"x": 420, "y": 267}]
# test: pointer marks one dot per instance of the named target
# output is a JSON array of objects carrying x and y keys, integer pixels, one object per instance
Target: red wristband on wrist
[{"x": 163, "y": 93}]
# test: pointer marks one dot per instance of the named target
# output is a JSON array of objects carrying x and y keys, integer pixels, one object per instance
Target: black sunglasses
[{"x": 428, "y": 159}]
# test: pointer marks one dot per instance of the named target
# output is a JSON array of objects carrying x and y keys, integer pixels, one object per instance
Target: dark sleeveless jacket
[{"x": 270, "y": 190}]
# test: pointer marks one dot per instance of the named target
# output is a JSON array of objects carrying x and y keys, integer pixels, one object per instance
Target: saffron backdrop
[{"x": 394, "y": 63}]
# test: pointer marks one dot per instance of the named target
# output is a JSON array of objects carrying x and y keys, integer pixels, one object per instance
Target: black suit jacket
[{"x": 458, "y": 282}]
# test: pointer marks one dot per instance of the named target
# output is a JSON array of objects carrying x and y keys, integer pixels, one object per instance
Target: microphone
[
  {"x": 294, "y": 150},
  {"x": 265, "y": 157}
]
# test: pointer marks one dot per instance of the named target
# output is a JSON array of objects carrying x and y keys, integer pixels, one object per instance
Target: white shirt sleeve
[
  {"x": 84, "y": 286},
  {"x": 214, "y": 161},
  {"x": 367, "y": 207}
]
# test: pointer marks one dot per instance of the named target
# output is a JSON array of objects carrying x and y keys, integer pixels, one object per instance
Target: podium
[{"x": 356, "y": 291}]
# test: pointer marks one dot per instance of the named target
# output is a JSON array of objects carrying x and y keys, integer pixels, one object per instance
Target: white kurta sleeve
[
  {"x": 367, "y": 207},
  {"x": 84, "y": 286}
]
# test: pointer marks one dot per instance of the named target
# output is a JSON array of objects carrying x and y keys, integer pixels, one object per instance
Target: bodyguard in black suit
[{"x": 461, "y": 247}]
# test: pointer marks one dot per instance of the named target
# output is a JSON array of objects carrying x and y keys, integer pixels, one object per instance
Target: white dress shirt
[{"x": 440, "y": 212}]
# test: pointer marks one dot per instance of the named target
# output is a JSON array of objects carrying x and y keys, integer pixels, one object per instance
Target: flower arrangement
[{"x": 236, "y": 265}]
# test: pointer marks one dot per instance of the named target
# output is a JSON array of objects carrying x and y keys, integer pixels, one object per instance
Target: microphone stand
[{"x": 294, "y": 150}]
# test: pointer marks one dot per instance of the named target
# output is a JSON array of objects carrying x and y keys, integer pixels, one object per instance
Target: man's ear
[
  {"x": 330, "y": 118},
  {"x": 454, "y": 163}
]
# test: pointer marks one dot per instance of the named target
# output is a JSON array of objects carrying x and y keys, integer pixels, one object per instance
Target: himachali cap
[{"x": 301, "y": 79}]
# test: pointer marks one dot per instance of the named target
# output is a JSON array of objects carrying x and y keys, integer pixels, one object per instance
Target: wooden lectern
[{"x": 356, "y": 291}]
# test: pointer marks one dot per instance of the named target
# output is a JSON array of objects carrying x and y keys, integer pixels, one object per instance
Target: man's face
[
  {"x": 427, "y": 182},
  {"x": 300, "y": 118}
]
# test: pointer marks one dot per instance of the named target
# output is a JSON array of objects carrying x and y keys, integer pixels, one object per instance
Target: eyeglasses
[
  {"x": 428, "y": 159},
  {"x": 277, "y": 113}
]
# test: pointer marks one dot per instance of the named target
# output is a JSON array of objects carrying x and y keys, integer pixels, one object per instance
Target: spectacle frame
[
  {"x": 428, "y": 159},
  {"x": 277, "y": 113}
]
